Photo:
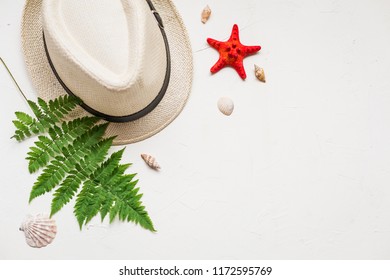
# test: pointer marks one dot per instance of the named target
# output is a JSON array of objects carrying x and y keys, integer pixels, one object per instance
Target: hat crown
[{"x": 110, "y": 53}]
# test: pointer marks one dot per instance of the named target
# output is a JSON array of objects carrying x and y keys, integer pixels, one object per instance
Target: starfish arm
[
  {"x": 250, "y": 49},
  {"x": 235, "y": 34},
  {"x": 218, "y": 65},
  {"x": 214, "y": 43},
  {"x": 240, "y": 70}
]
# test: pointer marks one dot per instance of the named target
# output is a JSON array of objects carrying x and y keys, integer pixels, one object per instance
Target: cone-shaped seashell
[
  {"x": 206, "y": 14},
  {"x": 226, "y": 106},
  {"x": 39, "y": 230},
  {"x": 259, "y": 72},
  {"x": 151, "y": 161}
]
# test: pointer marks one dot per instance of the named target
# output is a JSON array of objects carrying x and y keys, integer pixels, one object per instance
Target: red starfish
[{"x": 232, "y": 53}]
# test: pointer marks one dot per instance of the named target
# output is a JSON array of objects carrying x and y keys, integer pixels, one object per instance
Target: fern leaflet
[
  {"x": 47, "y": 148},
  {"x": 109, "y": 190},
  {"x": 83, "y": 170},
  {"x": 45, "y": 116},
  {"x": 53, "y": 174}
]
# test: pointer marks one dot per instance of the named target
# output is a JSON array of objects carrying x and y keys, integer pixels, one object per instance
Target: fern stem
[{"x": 13, "y": 78}]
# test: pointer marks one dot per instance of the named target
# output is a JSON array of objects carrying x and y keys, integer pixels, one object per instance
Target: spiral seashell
[
  {"x": 226, "y": 106},
  {"x": 151, "y": 161},
  {"x": 39, "y": 230},
  {"x": 206, "y": 14},
  {"x": 259, "y": 72}
]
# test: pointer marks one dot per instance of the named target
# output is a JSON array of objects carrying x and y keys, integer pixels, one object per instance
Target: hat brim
[{"x": 168, "y": 109}]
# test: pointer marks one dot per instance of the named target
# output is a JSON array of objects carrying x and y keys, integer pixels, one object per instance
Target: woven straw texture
[{"x": 169, "y": 108}]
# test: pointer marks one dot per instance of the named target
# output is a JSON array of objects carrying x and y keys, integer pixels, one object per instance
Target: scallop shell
[
  {"x": 206, "y": 14},
  {"x": 259, "y": 72},
  {"x": 151, "y": 161},
  {"x": 226, "y": 106},
  {"x": 39, "y": 230}
]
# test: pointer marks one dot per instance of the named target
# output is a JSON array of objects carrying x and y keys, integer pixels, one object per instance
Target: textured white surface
[{"x": 301, "y": 170}]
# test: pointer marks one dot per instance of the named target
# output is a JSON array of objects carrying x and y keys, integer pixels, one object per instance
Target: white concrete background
[{"x": 301, "y": 170}]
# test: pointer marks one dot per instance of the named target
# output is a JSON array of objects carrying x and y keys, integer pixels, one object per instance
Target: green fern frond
[
  {"x": 53, "y": 174},
  {"x": 103, "y": 172},
  {"x": 112, "y": 192},
  {"x": 87, "y": 203},
  {"x": 44, "y": 107},
  {"x": 83, "y": 170},
  {"x": 46, "y": 115},
  {"x": 47, "y": 148},
  {"x": 24, "y": 118},
  {"x": 36, "y": 108},
  {"x": 75, "y": 162},
  {"x": 22, "y": 124}
]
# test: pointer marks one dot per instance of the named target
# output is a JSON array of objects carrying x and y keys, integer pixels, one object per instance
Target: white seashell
[
  {"x": 39, "y": 230},
  {"x": 259, "y": 72},
  {"x": 226, "y": 106},
  {"x": 206, "y": 14},
  {"x": 151, "y": 161}
]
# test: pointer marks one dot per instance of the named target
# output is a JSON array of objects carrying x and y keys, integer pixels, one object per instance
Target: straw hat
[{"x": 130, "y": 61}]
